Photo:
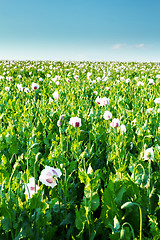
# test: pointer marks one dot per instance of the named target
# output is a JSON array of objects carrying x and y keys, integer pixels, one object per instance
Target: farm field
[{"x": 79, "y": 150}]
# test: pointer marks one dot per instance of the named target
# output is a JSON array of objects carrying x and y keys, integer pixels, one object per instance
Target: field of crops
[{"x": 79, "y": 150}]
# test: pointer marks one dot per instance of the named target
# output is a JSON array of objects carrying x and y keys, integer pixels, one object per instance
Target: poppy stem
[
  {"x": 77, "y": 141},
  {"x": 149, "y": 184},
  {"x": 132, "y": 231}
]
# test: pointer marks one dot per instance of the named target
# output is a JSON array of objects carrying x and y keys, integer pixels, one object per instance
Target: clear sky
[{"x": 94, "y": 30}]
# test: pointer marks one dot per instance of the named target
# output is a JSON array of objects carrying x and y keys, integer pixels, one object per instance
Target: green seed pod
[
  {"x": 126, "y": 205},
  {"x": 122, "y": 234}
]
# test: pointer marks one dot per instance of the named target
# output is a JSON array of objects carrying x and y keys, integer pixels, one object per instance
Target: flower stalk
[{"x": 129, "y": 204}]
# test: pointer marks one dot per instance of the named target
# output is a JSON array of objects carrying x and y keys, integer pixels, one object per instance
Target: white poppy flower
[{"x": 49, "y": 176}]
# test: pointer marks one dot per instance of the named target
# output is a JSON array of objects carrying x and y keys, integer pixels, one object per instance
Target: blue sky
[{"x": 97, "y": 30}]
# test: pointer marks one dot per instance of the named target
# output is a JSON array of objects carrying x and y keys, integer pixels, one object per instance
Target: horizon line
[{"x": 73, "y": 60}]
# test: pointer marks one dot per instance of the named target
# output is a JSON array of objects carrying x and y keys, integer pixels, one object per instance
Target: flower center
[
  {"x": 77, "y": 124},
  {"x": 149, "y": 155},
  {"x": 50, "y": 180},
  {"x": 116, "y": 125}
]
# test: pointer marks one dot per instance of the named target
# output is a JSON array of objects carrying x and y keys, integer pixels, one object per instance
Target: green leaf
[
  {"x": 79, "y": 221},
  {"x": 8, "y": 137},
  {"x": 120, "y": 193},
  {"x": 4, "y": 159},
  {"x": 88, "y": 190},
  {"x": 84, "y": 178},
  {"x": 66, "y": 220},
  {"x": 95, "y": 202},
  {"x": 109, "y": 209},
  {"x": 154, "y": 226},
  {"x": 6, "y": 224}
]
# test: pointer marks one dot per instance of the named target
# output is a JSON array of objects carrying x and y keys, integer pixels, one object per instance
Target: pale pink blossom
[
  {"x": 107, "y": 115},
  {"x": 7, "y": 89},
  {"x": 98, "y": 100},
  {"x": 35, "y": 86},
  {"x": 58, "y": 123},
  {"x": 48, "y": 75},
  {"x": 57, "y": 77},
  {"x": 102, "y": 101},
  {"x": 56, "y": 95},
  {"x": 50, "y": 100},
  {"x": 151, "y": 82},
  {"x": 54, "y": 79},
  {"x": 26, "y": 90},
  {"x": 49, "y": 176},
  {"x": 127, "y": 80},
  {"x": 75, "y": 122},
  {"x": 20, "y": 88},
  {"x": 30, "y": 188},
  {"x": 149, "y": 110},
  {"x": 157, "y": 100},
  {"x": 105, "y": 101},
  {"x": 115, "y": 123},
  {"x": 105, "y": 79},
  {"x": 89, "y": 74},
  {"x": 148, "y": 154},
  {"x": 57, "y": 83},
  {"x": 158, "y": 76},
  {"x": 139, "y": 83},
  {"x": 76, "y": 77},
  {"x": 9, "y": 78},
  {"x": 123, "y": 128}
]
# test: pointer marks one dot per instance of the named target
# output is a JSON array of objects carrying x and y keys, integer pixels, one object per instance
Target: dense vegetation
[{"x": 80, "y": 150}]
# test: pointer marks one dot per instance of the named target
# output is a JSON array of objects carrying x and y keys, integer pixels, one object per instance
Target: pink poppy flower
[
  {"x": 102, "y": 101},
  {"x": 75, "y": 122},
  {"x": 30, "y": 189},
  {"x": 148, "y": 154},
  {"x": 107, "y": 115},
  {"x": 35, "y": 86},
  {"x": 49, "y": 176},
  {"x": 56, "y": 95},
  {"x": 7, "y": 89},
  {"x": 115, "y": 123}
]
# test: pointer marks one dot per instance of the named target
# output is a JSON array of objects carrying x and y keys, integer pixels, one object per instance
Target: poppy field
[{"x": 79, "y": 150}]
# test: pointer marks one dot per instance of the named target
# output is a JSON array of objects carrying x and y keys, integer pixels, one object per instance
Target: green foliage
[{"x": 102, "y": 167}]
